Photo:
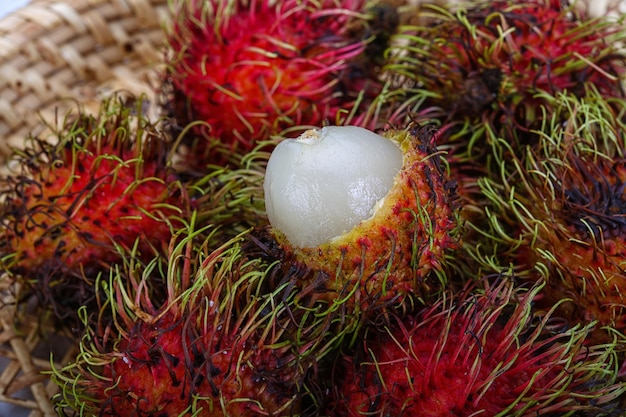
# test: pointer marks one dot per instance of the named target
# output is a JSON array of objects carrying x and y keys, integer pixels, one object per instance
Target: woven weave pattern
[
  {"x": 53, "y": 52},
  {"x": 25, "y": 349}
]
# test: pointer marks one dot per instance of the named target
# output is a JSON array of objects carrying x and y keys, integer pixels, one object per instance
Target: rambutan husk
[
  {"x": 216, "y": 344},
  {"x": 487, "y": 59},
  {"x": 480, "y": 351},
  {"x": 71, "y": 207},
  {"x": 555, "y": 212},
  {"x": 485, "y": 69},
  {"x": 105, "y": 188},
  {"x": 250, "y": 70},
  {"x": 398, "y": 255}
]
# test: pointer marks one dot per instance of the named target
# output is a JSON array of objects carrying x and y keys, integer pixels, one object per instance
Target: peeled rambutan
[
  {"x": 248, "y": 70},
  {"x": 474, "y": 353},
  {"x": 216, "y": 345},
  {"x": 74, "y": 206},
  {"x": 361, "y": 220}
]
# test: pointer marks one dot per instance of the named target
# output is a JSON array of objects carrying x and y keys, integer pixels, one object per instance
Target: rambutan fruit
[
  {"x": 557, "y": 212},
  {"x": 248, "y": 70},
  {"x": 488, "y": 60},
  {"x": 479, "y": 352},
  {"x": 361, "y": 220},
  {"x": 74, "y": 206},
  {"x": 216, "y": 345}
]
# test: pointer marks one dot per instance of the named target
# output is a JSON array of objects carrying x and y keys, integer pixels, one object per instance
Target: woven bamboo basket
[{"x": 55, "y": 55}]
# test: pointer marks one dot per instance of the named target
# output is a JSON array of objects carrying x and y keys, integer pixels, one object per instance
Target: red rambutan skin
[
  {"x": 72, "y": 211},
  {"x": 93, "y": 200},
  {"x": 249, "y": 71},
  {"x": 163, "y": 368},
  {"x": 492, "y": 59},
  {"x": 214, "y": 346},
  {"x": 470, "y": 358},
  {"x": 580, "y": 240}
]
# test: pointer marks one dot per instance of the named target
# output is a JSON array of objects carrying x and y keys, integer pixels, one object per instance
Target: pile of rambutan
[{"x": 346, "y": 208}]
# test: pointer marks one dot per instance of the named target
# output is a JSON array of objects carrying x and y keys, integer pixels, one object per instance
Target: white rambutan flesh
[{"x": 327, "y": 181}]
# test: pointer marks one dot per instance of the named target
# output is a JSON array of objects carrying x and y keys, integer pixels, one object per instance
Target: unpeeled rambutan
[
  {"x": 488, "y": 60},
  {"x": 75, "y": 206},
  {"x": 477, "y": 353},
  {"x": 216, "y": 345},
  {"x": 248, "y": 70},
  {"x": 557, "y": 211}
]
